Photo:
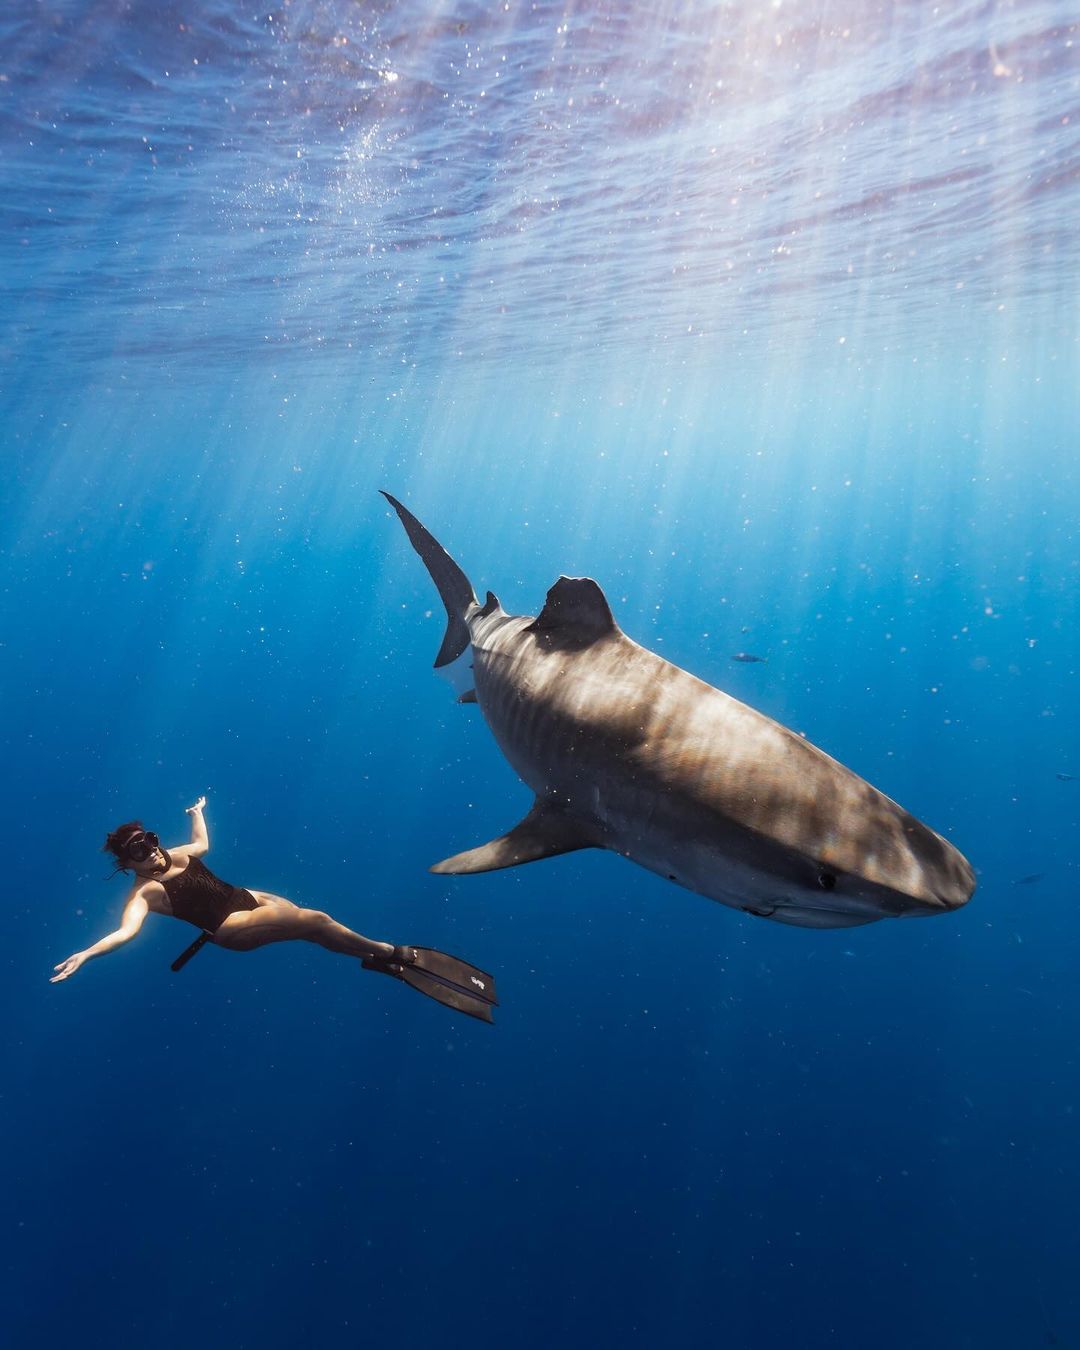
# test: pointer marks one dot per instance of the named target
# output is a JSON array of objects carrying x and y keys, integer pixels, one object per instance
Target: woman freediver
[{"x": 175, "y": 882}]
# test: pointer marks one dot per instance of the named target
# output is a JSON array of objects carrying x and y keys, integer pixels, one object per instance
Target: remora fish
[{"x": 627, "y": 752}]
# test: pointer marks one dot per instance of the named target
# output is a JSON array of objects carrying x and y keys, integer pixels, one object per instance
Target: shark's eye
[{"x": 827, "y": 880}]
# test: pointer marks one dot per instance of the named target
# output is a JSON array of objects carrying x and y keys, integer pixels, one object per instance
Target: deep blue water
[{"x": 765, "y": 317}]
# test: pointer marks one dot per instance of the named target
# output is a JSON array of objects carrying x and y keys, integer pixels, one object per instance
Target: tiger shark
[{"x": 630, "y": 753}]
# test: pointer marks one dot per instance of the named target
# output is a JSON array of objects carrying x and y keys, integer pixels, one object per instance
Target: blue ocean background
[{"x": 765, "y": 316}]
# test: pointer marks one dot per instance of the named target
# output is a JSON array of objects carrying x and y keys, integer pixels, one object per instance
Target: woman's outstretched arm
[
  {"x": 200, "y": 840},
  {"x": 135, "y": 911}
]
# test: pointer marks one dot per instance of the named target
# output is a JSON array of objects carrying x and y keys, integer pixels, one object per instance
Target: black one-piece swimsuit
[{"x": 199, "y": 897}]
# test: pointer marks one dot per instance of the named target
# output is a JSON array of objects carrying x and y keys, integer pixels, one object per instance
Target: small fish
[
  {"x": 750, "y": 658},
  {"x": 1065, "y": 777},
  {"x": 1031, "y": 876}
]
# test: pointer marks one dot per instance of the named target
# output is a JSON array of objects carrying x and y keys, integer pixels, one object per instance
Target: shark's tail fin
[{"x": 454, "y": 586}]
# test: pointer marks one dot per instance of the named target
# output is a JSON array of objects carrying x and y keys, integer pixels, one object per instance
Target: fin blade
[
  {"x": 455, "y": 588},
  {"x": 447, "y": 979},
  {"x": 544, "y": 833},
  {"x": 447, "y": 995},
  {"x": 452, "y": 970},
  {"x": 575, "y": 613}
]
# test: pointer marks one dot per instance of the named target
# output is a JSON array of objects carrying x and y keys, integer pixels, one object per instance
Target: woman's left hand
[{"x": 197, "y": 807}]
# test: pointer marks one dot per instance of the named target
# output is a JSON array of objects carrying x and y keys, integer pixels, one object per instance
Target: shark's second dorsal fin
[
  {"x": 544, "y": 833},
  {"x": 576, "y": 613}
]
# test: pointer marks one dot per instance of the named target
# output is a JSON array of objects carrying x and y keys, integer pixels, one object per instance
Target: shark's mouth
[{"x": 808, "y": 916}]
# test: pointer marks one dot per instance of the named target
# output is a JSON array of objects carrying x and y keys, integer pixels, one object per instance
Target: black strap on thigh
[{"x": 188, "y": 952}]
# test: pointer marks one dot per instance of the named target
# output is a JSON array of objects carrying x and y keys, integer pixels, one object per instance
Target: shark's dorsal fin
[
  {"x": 576, "y": 613},
  {"x": 545, "y": 832}
]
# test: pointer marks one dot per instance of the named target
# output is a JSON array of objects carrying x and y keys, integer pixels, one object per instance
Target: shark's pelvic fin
[
  {"x": 544, "y": 833},
  {"x": 454, "y": 586},
  {"x": 575, "y": 614}
]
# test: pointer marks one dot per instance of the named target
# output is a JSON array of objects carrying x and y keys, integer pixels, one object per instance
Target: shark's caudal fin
[
  {"x": 544, "y": 833},
  {"x": 454, "y": 586}
]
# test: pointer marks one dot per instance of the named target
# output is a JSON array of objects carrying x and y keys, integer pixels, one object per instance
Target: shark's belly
[{"x": 714, "y": 856}]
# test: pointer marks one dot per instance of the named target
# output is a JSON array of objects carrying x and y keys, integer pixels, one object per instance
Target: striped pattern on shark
[{"x": 626, "y": 751}]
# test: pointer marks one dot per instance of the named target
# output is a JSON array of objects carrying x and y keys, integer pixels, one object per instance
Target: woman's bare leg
[
  {"x": 279, "y": 920},
  {"x": 449, "y": 981}
]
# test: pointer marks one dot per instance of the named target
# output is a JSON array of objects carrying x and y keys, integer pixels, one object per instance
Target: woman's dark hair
[{"x": 116, "y": 843}]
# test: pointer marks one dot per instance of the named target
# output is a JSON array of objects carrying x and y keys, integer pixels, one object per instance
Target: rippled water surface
[{"x": 523, "y": 180}]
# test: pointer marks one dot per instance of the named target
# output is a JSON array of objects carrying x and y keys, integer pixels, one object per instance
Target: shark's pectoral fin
[
  {"x": 469, "y": 696},
  {"x": 575, "y": 614},
  {"x": 544, "y": 833}
]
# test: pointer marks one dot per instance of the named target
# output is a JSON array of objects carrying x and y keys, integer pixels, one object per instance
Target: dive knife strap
[{"x": 188, "y": 952}]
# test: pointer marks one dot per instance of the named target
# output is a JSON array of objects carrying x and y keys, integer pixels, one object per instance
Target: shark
[{"x": 627, "y": 752}]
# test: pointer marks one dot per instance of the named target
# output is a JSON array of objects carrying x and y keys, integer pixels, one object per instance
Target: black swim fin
[{"x": 444, "y": 978}]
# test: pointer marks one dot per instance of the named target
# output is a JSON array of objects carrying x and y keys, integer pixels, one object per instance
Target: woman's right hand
[{"x": 68, "y": 967}]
